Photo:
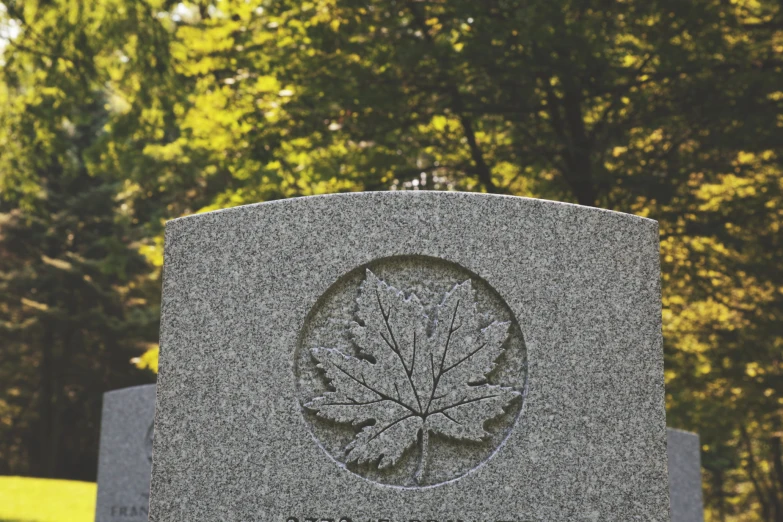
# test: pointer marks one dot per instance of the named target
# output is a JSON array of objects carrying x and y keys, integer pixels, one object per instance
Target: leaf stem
[{"x": 425, "y": 441}]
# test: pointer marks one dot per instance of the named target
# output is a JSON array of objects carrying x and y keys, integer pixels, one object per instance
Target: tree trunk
[
  {"x": 777, "y": 477},
  {"x": 568, "y": 123},
  {"x": 751, "y": 469},
  {"x": 721, "y": 495},
  {"x": 48, "y": 406},
  {"x": 579, "y": 155}
]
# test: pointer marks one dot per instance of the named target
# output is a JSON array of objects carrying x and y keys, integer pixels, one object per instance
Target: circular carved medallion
[{"x": 411, "y": 371}]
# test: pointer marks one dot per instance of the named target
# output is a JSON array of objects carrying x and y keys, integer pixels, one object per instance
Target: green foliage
[
  {"x": 75, "y": 296},
  {"x": 662, "y": 108}
]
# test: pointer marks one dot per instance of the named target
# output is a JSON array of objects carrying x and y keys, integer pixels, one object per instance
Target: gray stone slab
[
  {"x": 685, "y": 489},
  {"x": 289, "y": 390},
  {"x": 125, "y": 457}
]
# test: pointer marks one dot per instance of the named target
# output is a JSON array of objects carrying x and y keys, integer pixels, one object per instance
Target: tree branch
[{"x": 483, "y": 171}]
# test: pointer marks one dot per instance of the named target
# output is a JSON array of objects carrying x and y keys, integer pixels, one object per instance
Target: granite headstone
[
  {"x": 410, "y": 356},
  {"x": 125, "y": 456},
  {"x": 685, "y": 492}
]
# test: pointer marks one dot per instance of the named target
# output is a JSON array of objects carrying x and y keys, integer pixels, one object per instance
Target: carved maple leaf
[{"x": 406, "y": 384}]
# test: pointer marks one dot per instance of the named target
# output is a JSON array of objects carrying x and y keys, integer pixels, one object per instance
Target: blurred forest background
[{"x": 117, "y": 115}]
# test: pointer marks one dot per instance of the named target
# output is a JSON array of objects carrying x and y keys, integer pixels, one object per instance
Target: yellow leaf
[
  {"x": 149, "y": 359},
  {"x": 439, "y": 122},
  {"x": 267, "y": 84}
]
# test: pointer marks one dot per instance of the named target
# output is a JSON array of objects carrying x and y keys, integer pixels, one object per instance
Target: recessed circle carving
[{"x": 411, "y": 371}]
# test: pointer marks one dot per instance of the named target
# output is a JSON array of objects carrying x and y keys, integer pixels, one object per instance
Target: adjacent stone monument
[
  {"x": 125, "y": 457},
  {"x": 687, "y": 504},
  {"x": 410, "y": 356}
]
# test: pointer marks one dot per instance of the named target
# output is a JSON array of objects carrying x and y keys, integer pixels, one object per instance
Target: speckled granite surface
[
  {"x": 685, "y": 491},
  {"x": 265, "y": 305},
  {"x": 125, "y": 457}
]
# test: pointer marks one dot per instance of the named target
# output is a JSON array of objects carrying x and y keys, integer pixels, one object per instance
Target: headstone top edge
[
  {"x": 682, "y": 432},
  {"x": 127, "y": 389},
  {"x": 404, "y": 194}
]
